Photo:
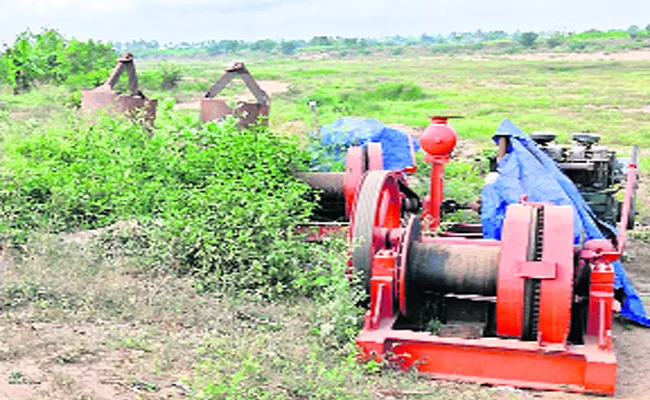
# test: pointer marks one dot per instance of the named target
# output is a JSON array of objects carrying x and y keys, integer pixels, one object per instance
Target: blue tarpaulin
[
  {"x": 526, "y": 169},
  {"x": 338, "y": 136}
]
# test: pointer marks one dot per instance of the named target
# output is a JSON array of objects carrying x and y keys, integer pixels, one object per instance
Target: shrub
[
  {"x": 288, "y": 47},
  {"x": 527, "y": 39},
  {"x": 222, "y": 202},
  {"x": 395, "y": 91},
  {"x": 553, "y": 42},
  {"x": 171, "y": 75}
]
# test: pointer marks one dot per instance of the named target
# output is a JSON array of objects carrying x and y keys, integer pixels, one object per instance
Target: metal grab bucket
[
  {"x": 135, "y": 105},
  {"x": 213, "y": 109}
]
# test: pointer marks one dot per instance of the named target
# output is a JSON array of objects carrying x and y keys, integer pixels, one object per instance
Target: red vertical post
[
  {"x": 438, "y": 141},
  {"x": 433, "y": 201}
]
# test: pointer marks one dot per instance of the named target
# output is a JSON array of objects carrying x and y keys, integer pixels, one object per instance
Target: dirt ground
[{"x": 77, "y": 350}]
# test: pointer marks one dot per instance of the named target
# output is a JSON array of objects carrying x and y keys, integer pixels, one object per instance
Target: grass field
[
  {"x": 610, "y": 97},
  {"x": 84, "y": 317}
]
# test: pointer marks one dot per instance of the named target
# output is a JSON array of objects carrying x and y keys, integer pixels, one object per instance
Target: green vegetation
[
  {"x": 224, "y": 201},
  {"x": 47, "y": 57}
]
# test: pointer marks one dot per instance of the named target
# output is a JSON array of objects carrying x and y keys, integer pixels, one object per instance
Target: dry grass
[{"x": 79, "y": 325}]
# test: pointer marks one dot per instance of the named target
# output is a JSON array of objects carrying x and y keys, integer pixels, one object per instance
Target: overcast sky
[{"x": 195, "y": 20}]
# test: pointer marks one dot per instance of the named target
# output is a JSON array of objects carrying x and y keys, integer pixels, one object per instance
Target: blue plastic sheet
[
  {"x": 345, "y": 132},
  {"x": 527, "y": 170}
]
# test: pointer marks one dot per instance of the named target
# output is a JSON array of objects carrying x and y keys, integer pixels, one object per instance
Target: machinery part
[
  {"x": 248, "y": 113},
  {"x": 543, "y": 138},
  {"x": 356, "y": 165},
  {"x": 327, "y": 182},
  {"x": 532, "y": 285},
  {"x": 445, "y": 268},
  {"x": 438, "y": 140},
  {"x": 627, "y": 207},
  {"x": 634, "y": 162},
  {"x": 338, "y": 190},
  {"x": 377, "y": 211},
  {"x": 585, "y": 138},
  {"x": 105, "y": 98},
  {"x": 594, "y": 169},
  {"x": 375, "y": 156},
  {"x": 412, "y": 235},
  {"x": 331, "y": 202}
]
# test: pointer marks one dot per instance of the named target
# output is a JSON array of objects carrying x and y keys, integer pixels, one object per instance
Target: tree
[
  {"x": 266, "y": 45},
  {"x": 288, "y": 47},
  {"x": 424, "y": 38},
  {"x": 229, "y": 46},
  {"x": 47, "y": 57},
  {"x": 496, "y": 35},
  {"x": 527, "y": 39},
  {"x": 321, "y": 41},
  {"x": 350, "y": 42},
  {"x": 553, "y": 42},
  {"x": 213, "y": 49},
  {"x": 634, "y": 31}
]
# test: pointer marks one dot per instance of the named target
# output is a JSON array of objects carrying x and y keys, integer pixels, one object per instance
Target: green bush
[
  {"x": 396, "y": 91},
  {"x": 554, "y": 42},
  {"x": 527, "y": 39},
  {"x": 47, "y": 57},
  {"x": 171, "y": 75},
  {"x": 222, "y": 203}
]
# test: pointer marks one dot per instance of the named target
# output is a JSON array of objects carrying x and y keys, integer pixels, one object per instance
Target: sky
[{"x": 196, "y": 20}]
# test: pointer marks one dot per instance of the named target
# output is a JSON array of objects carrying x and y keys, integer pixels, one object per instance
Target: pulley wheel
[{"x": 377, "y": 210}]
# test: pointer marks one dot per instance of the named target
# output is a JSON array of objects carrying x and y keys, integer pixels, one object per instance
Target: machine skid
[{"x": 494, "y": 361}]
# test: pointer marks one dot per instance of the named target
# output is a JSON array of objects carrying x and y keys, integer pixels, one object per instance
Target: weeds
[{"x": 18, "y": 378}]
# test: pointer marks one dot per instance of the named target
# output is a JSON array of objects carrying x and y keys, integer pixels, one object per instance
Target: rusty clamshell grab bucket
[
  {"x": 105, "y": 98},
  {"x": 213, "y": 109}
]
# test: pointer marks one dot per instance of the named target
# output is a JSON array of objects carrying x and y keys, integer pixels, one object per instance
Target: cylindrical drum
[
  {"x": 331, "y": 204},
  {"x": 454, "y": 268}
]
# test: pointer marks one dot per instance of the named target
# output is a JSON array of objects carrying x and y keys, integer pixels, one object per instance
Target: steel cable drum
[{"x": 454, "y": 268}]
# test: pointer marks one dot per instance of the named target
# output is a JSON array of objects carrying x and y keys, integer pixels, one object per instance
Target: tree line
[{"x": 527, "y": 39}]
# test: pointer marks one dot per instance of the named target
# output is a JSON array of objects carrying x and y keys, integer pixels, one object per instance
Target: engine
[{"x": 593, "y": 168}]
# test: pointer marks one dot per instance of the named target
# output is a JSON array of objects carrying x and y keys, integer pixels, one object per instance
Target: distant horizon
[
  {"x": 443, "y": 34},
  {"x": 177, "y": 21}
]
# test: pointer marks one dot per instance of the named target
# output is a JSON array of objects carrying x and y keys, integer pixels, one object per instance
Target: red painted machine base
[{"x": 493, "y": 361}]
